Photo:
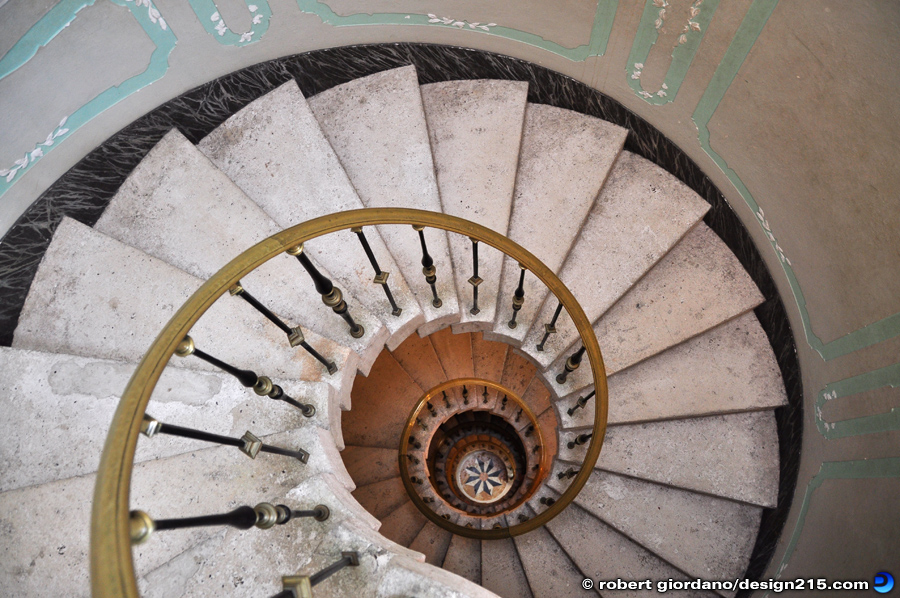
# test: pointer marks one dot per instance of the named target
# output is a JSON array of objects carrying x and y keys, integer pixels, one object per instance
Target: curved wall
[{"x": 783, "y": 105}]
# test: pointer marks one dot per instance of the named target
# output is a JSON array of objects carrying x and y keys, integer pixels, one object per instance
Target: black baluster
[
  {"x": 580, "y": 403},
  {"x": 249, "y": 444},
  {"x": 414, "y": 442},
  {"x": 381, "y": 276},
  {"x": 579, "y": 440},
  {"x": 518, "y": 414},
  {"x": 446, "y": 400},
  {"x": 421, "y": 424},
  {"x": 300, "y": 586},
  {"x": 428, "y": 268},
  {"x": 529, "y": 430},
  {"x": 550, "y": 328},
  {"x": 412, "y": 459},
  {"x": 518, "y": 297},
  {"x": 261, "y": 385},
  {"x": 415, "y": 480},
  {"x": 431, "y": 409},
  {"x": 475, "y": 280},
  {"x": 547, "y": 501},
  {"x": 331, "y": 295},
  {"x": 503, "y": 403},
  {"x": 570, "y": 473},
  {"x": 572, "y": 364},
  {"x": 465, "y": 394},
  {"x": 484, "y": 396}
]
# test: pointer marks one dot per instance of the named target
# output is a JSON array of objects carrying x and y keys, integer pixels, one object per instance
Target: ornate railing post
[
  {"x": 331, "y": 295},
  {"x": 428, "y": 268},
  {"x": 300, "y": 586},
  {"x": 381, "y": 276},
  {"x": 518, "y": 297},
  {"x": 572, "y": 364},
  {"x": 550, "y": 328},
  {"x": 475, "y": 280},
  {"x": 579, "y": 440},
  {"x": 580, "y": 403}
]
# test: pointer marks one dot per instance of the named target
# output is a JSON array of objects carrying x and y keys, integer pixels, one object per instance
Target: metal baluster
[
  {"x": 249, "y": 444},
  {"x": 261, "y": 385},
  {"x": 550, "y": 328},
  {"x": 431, "y": 409},
  {"x": 381, "y": 276},
  {"x": 465, "y": 394},
  {"x": 580, "y": 403},
  {"x": 415, "y": 480},
  {"x": 518, "y": 414},
  {"x": 529, "y": 430},
  {"x": 569, "y": 473},
  {"x": 295, "y": 335},
  {"x": 446, "y": 400},
  {"x": 475, "y": 280},
  {"x": 518, "y": 297},
  {"x": 300, "y": 586},
  {"x": 414, "y": 442},
  {"x": 547, "y": 501},
  {"x": 484, "y": 396},
  {"x": 579, "y": 440},
  {"x": 264, "y": 516},
  {"x": 572, "y": 364},
  {"x": 412, "y": 459},
  {"x": 331, "y": 295},
  {"x": 428, "y": 268},
  {"x": 421, "y": 424},
  {"x": 503, "y": 403}
]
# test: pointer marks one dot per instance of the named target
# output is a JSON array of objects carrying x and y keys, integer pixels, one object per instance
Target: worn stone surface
[
  {"x": 640, "y": 214},
  {"x": 501, "y": 569},
  {"x": 489, "y": 357},
  {"x": 274, "y": 150},
  {"x": 475, "y": 129},
  {"x": 377, "y": 128},
  {"x": 536, "y": 396},
  {"x": 417, "y": 356},
  {"x": 734, "y": 456},
  {"x": 433, "y": 542},
  {"x": 403, "y": 524},
  {"x": 729, "y": 368},
  {"x": 382, "y": 498},
  {"x": 464, "y": 558},
  {"x": 178, "y": 207},
  {"x": 518, "y": 373},
  {"x": 704, "y": 536},
  {"x": 696, "y": 286},
  {"x": 454, "y": 352},
  {"x": 549, "y": 570},
  {"x": 367, "y": 464},
  {"x": 69, "y": 310},
  {"x": 405, "y": 577},
  {"x": 564, "y": 161},
  {"x": 382, "y": 402}
]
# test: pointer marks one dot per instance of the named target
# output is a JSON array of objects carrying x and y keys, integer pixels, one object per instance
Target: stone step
[
  {"x": 641, "y": 213},
  {"x": 274, "y": 150},
  {"x": 464, "y": 558},
  {"x": 405, "y": 577},
  {"x": 489, "y": 357},
  {"x": 403, "y": 524},
  {"x": 178, "y": 207},
  {"x": 377, "y": 127},
  {"x": 727, "y": 369},
  {"x": 734, "y": 456},
  {"x": 475, "y": 129},
  {"x": 94, "y": 296},
  {"x": 703, "y": 536},
  {"x": 518, "y": 373},
  {"x": 367, "y": 465},
  {"x": 563, "y": 163},
  {"x": 454, "y": 352},
  {"x": 73, "y": 398},
  {"x": 433, "y": 542},
  {"x": 417, "y": 356},
  {"x": 382, "y": 498},
  {"x": 549, "y": 569},
  {"x": 698, "y": 285},
  {"x": 501, "y": 569}
]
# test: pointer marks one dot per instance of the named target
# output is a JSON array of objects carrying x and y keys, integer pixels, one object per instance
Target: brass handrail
[
  {"x": 112, "y": 567},
  {"x": 404, "y": 449}
]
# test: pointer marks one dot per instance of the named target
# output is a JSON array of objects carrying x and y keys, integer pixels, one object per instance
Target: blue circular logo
[{"x": 884, "y": 582}]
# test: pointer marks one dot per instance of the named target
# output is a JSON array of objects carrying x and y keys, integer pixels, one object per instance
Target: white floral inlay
[
  {"x": 152, "y": 12},
  {"x": 765, "y": 224},
  {"x": 459, "y": 24},
  {"x": 37, "y": 152}
]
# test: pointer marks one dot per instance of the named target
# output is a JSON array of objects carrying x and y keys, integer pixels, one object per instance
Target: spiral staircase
[{"x": 690, "y": 457}]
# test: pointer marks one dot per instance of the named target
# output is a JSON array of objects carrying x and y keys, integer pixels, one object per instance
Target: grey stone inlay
[
  {"x": 564, "y": 161},
  {"x": 274, "y": 150},
  {"x": 178, "y": 207},
  {"x": 464, "y": 558},
  {"x": 641, "y": 213},
  {"x": 376, "y": 126},
  {"x": 94, "y": 296},
  {"x": 476, "y": 130},
  {"x": 729, "y": 368},
  {"x": 698, "y": 285},
  {"x": 704, "y": 536},
  {"x": 734, "y": 456},
  {"x": 501, "y": 569}
]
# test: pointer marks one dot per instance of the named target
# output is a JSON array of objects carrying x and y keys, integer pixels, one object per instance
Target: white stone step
[
  {"x": 734, "y": 456},
  {"x": 94, "y": 296},
  {"x": 549, "y": 569},
  {"x": 177, "y": 206},
  {"x": 697, "y": 286},
  {"x": 377, "y": 128},
  {"x": 476, "y": 131},
  {"x": 702, "y": 535},
  {"x": 564, "y": 161},
  {"x": 405, "y": 577},
  {"x": 727, "y": 369},
  {"x": 464, "y": 558},
  {"x": 610, "y": 556},
  {"x": 501, "y": 569},
  {"x": 72, "y": 400},
  {"x": 274, "y": 150},
  {"x": 641, "y": 213}
]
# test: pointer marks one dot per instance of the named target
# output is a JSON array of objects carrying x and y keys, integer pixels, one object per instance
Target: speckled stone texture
[
  {"x": 564, "y": 161},
  {"x": 704, "y": 536},
  {"x": 696, "y": 286},
  {"x": 501, "y": 569},
  {"x": 376, "y": 125},
  {"x": 178, "y": 207},
  {"x": 408, "y": 578},
  {"x": 464, "y": 558},
  {"x": 734, "y": 456},
  {"x": 68, "y": 311},
  {"x": 276, "y": 153},
  {"x": 726, "y": 369},
  {"x": 640, "y": 214},
  {"x": 454, "y": 352},
  {"x": 418, "y": 357},
  {"x": 475, "y": 129}
]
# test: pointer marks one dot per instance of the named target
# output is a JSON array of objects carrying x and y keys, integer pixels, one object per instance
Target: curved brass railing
[
  {"x": 405, "y": 447},
  {"x": 112, "y": 567}
]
